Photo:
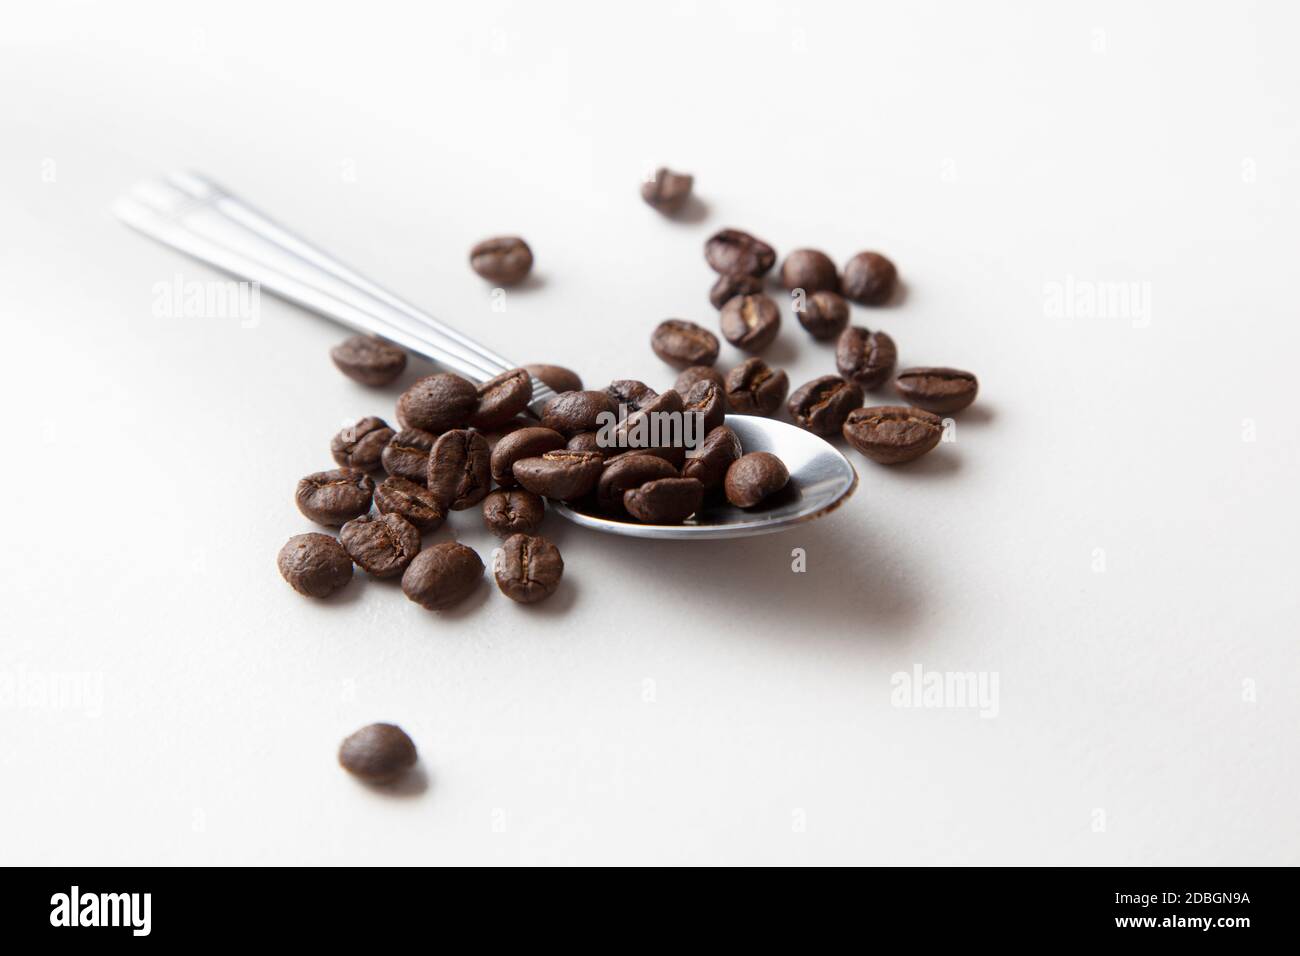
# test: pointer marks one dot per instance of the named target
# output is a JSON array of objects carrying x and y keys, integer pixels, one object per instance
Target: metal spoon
[{"x": 196, "y": 216}]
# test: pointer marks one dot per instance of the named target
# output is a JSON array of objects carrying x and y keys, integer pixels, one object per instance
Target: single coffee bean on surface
[
  {"x": 682, "y": 344},
  {"x": 442, "y": 576},
  {"x": 564, "y": 475},
  {"x": 460, "y": 471},
  {"x": 864, "y": 356},
  {"x": 709, "y": 401},
  {"x": 821, "y": 405},
  {"x": 572, "y": 412},
  {"x": 504, "y": 260},
  {"x": 528, "y": 568},
  {"x": 628, "y": 395},
  {"x": 513, "y": 511},
  {"x": 893, "y": 434},
  {"x": 556, "y": 377},
  {"x": 532, "y": 442},
  {"x": 381, "y": 545},
  {"x": 369, "y": 360},
  {"x": 731, "y": 285},
  {"x": 754, "y": 477},
  {"x": 709, "y": 466},
  {"x": 407, "y": 454},
  {"x": 416, "y": 503},
  {"x": 942, "y": 390},
  {"x": 731, "y": 251},
  {"x": 667, "y": 191},
  {"x": 361, "y": 445},
  {"x": 378, "y": 753},
  {"x": 699, "y": 373},
  {"x": 627, "y": 472},
  {"x": 664, "y": 501},
  {"x": 502, "y": 398},
  {"x": 314, "y": 564},
  {"x": 823, "y": 315},
  {"x": 587, "y": 441},
  {"x": 437, "y": 403},
  {"x": 755, "y": 389},
  {"x": 335, "y": 497},
  {"x": 750, "y": 322},
  {"x": 810, "y": 270},
  {"x": 869, "y": 278}
]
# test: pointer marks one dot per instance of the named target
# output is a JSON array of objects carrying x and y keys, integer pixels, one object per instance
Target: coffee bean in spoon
[
  {"x": 532, "y": 442},
  {"x": 556, "y": 377},
  {"x": 708, "y": 400},
  {"x": 502, "y": 398},
  {"x": 709, "y": 465},
  {"x": 627, "y": 472},
  {"x": 563, "y": 475},
  {"x": 665, "y": 500},
  {"x": 572, "y": 412},
  {"x": 755, "y": 477}
]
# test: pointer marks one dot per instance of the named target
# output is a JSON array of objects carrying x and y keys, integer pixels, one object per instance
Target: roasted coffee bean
[
  {"x": 626, "y": 472},
  {"x": 753, "y": 478},
  {"x": 334, "y": 497},
  {"x": 407, "y": 454},
  {"x": 494, "y": 435},
  {"x": 731, "y": 285},
  {"x": 709, "y": 465},
  {"x": 502, "y": 398},
  {"x": 657, "y": 428},
  {"x": 378, "y": 753},
  {"x": 587, "y": 441},
  {"x": 755, "y": 389},
  {"x": 416, "y": 503},
  {"x": 369, "y": 360},
  {"x": 556, "y": 377},
  {"x": 513, "y": 512},
  {"x": 530, "y": 442},
  {"x": 682, "y": 344},
  {"x": 668, "y": 191},
  {"x": 460, "y": 472},
  {"x": 699, "y": 373},
  {"x": 864, "y": 356},
  {"x": 437, "y": 403},
  {"x": 361, "y": 445},
  {"x": 821, "y": 405},
  {"x": 628, "y": 395},
  {"x": 565, "y": 475},
  {"x": 941, "y": 390},
  {"x": 528, "y": 568},
  {"x": 381, "y": 546},
  {"x": 572, "y": 412},
  {"x": 869, "y": 278},
  {"x": 675, "y": 455},
  {"x": 824, "y": 314},
  {"x": 314, "y": 564},
  {"x": 893, "y": 434},
  {"x": 665, "y": 501},
  {"x": 810, "y": 270},
  {"x": 709, "y": 401},
  {"x": 734, "y": 251},
  {"x": 442, "y": 575},
  {"x": 504, "y": 260},
  {"x": 750, "y": 322}
]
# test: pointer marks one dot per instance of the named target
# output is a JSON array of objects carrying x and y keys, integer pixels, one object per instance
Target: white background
[{"x": 1104, "y": 535}]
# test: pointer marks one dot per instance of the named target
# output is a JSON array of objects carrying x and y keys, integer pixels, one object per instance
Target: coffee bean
[
  {"x": 942, "y": 390},
  {"x": 821, "y": 405},
  {"x": 504, "y": 260},
  {"x": 513, "y": 512},
  {"x": 750, "y": 322},
  {"x": 683, "y": 344},
  {"x": 734, "y": 251},
  {"x": 627, "y": 472},
  {"x": 668, "y": 191},
  {"x": 628, "y": 395},
  {"x": 460, "y": 473},
  {"x": 810, "y": 270},
  {"x": 556, "y": 377},
  {"x": 669, "y": 401},
  {"x": 381, "y": 546},
  {"x": 754, "y": 477},
  {"x": 526, "y": 443},
  {"x": 369, "y": 360},
  {"x": 709, "y": 465},
  {"x": 699, "y": 373},
  {"x": 864, "y": 356},
  {"x": 564, "y": 475},
  {"x": 869, "y": 278},
  {"x": 437, "y": 403},
  {"x": 442, "y": 575},
  {"x": 665, "y": 501},
  {"x": 378, "y": 753},
  {"x": 755, "y": 389},
  {"x": 334, "y": 497},
  {"x": 361, "y": 445},
  {"x": 587, "y": 441},
  {"x": 675, "y": 455},
  {"x": 572, "y": 412},
  {"x": 528, "y": 568},
  {"x": 731, "y": 285},
  {"x": 416, "y": 503},
  {"x": 893, "y": 434},
  {"x": 407, "y": 454},
  {"x": 314, "y": 564},
  {"x": 824, "y": 315},
  {"x": 502, "y": 398},
  {"x": 708, "y": 400}
]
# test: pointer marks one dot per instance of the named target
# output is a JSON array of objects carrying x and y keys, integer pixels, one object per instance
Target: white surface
[{"x": 991, "y": 152}]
